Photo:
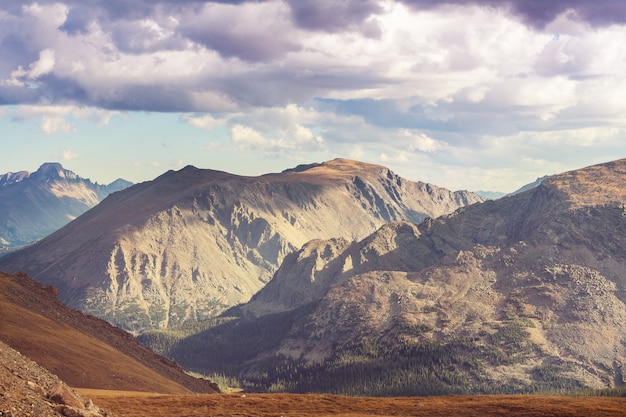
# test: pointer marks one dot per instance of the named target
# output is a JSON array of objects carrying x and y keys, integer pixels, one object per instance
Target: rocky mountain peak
[
  {"x": 118, "y": 185},
  {"x": 33, "y": 205},
  {"x": 195, "y": 242},
  {"x": 341, "y": 168},
  {"x": 51, "y": 171},
  {"x": 533, "y": 284},
  {"x": 13, "y": 177}
]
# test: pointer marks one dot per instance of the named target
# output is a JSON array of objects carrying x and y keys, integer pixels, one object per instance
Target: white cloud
[
  {"x": 51, "y": 125},
  {"x": 205, "y": 121},
  {"x": 446, "y": 86},
  {"x": 399, "y": 158},
  {"x": 246, "y": 135},
  {"x": 69, "y": 155},
  {"x": 306, "y": 135},
  {"x": 55, "y": 119},
  {"x": 272, "y": 130},
  {"x": 420, "y": 141},
  {"x": 43, "y": 66},
  {"x": 356, "y": 152}
]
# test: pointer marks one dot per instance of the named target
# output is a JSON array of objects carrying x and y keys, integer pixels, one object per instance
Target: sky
[{"x": 475, "y": 95}]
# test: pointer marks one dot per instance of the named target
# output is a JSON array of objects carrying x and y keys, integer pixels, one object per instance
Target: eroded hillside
[
  {"x": 193, "y": 243},
  {"x": 522, "y": 294}
]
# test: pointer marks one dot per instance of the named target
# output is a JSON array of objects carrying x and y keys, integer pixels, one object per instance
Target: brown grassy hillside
[
  {"x": 271, "y": 405},
  {"x": 83, "y": 351}
]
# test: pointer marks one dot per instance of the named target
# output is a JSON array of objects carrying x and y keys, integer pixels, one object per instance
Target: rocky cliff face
[
  {"x": 194, "y": 242},
  {"x": 534, "y": 285},
  {"x": 33, "y": 205}
]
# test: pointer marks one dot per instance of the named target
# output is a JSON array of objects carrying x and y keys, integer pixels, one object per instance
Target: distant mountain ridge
[
  {"x": 33, "y": 205},
  {"x": 533, "y": 184},
  {"x": 521, "y": 294},
  {"x": 194, "y": 242}
]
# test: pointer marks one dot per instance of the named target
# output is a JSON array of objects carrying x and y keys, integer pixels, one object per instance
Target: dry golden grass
[
  {"x": 329, "y": 172},
  {"x": 273, "y": 405},
  {"x": 594, "y": 185}
]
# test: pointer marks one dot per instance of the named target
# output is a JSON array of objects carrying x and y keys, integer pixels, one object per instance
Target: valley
[
  {"x": 519, "y": 295},
  {"x": 298, "y": 208},
  {"x": 438, "y": 315}
]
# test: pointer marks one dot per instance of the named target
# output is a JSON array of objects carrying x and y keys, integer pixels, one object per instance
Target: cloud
[
  {"x": 248, "y": 33},
  {"x": 277, "y": 133},
  {"x": 420, "y": 141},
  {"x": 336, "y": 16},
  {"x": 51, "y": 125},
  {"x": 69, "y": 155},
  {"x": 539, "y": 13},
  {"x": 224, "y": 57},
  {"x": 246, "y": 135},
  {"x": 206, "y": 121},
  {"x": 400, "y": 80},
  {"x": 57, "y": 119},
  {"x": 28, "y": 77}
]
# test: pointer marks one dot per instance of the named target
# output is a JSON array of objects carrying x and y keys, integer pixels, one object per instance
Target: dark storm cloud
[
  {"x": 332, "y": 15},
  {"x": 539, "y": 13},
  {"x": 218, "y": 55},
  {"x": 250, "y": 43},
  {"x": 148, "y": 98},
  {"x": 78, "y": 19}
]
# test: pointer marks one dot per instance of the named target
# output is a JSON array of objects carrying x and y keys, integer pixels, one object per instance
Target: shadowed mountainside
[{"x": 192, "y": 243}]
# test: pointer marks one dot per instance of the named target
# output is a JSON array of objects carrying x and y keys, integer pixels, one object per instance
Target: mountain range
[
  {"x": 522, "y": 294},
  {"x": 192, "y": 243},
  {"x": 33, "y": 205}
]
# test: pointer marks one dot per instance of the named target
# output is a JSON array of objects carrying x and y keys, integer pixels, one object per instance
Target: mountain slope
[
  {"x": 28, "y": 389},
  {"x": 33, "y": 205},
  {"x": 192, "y": 243},
  {"x": 83, "y": 351},
  {"x": 526, "y": 293}
]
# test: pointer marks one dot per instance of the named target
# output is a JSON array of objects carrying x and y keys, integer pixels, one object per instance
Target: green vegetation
[
  {"x": 132, "y": 316},
  {"x": 224, "y": 383},
  {"x": 406, "y": 361},
  {"x": 222, "y": 344},
  {"x": 368, "y": 368}
]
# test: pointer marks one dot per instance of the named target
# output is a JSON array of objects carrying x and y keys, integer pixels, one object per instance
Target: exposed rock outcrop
[
  {"x": 27, "y": 389},
  {"x": 192, "y": 243},
  {"x": 537, "y": 278}
]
